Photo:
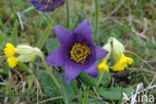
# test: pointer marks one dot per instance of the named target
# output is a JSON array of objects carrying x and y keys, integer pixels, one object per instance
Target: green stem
[
  {"x": 97, "y": 19},
  {"x": 99, "y": 81},
  {"x": 51, "y": 74},
  {"x": 67, "y": 14}
]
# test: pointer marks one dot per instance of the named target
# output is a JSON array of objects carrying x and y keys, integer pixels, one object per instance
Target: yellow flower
[
  {"x": 12, "y": 61},
  {"x": 122, "y": 63},
  {"x": 10, "y": 50},
  {"x": 25, "y": 53},
  {"x": 118, "y": 48},
  {"x": 103, "y": 67}
]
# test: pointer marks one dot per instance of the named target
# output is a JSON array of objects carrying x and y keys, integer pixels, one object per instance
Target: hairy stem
[
  {"x": 51, "y": 74},
  {"x": 99, "y": 80}
]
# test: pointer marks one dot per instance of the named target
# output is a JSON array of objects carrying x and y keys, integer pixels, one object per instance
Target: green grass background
[{"x": 133, "y": 22}]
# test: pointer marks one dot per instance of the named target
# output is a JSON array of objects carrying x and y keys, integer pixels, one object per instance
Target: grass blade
[
  {"x": 44, "y": 36},
  {"x": 14, "y": 34}
]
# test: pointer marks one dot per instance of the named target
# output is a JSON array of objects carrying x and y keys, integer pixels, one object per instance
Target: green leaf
[
  {"x": 86, "y": 97},
  {"x": 1, "y": 38},
  {"x": 73, "y": 85},
  {"x": 47, "y": 84},
  {"x": 67, "y": 93},
  {"x": 80, "y": 97},
  {"x": 44, "y": 35},
  {"x": 14, "y": 34},
  {"x": 23, "y": 66},
  {"x": 95, "y": 101},
  {"x": 88, "y": 80},
  {"x": 106, "y": 79},
  {"x": 30, "y": 81},
  {"x": 114, "y": 93},
  {"x": 52, "y": 44},
  {"x": 128, "y": 91},
  {"x": 3, "y": 27}
]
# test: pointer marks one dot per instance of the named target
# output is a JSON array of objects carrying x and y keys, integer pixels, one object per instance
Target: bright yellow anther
[
  {"x": 9, "y": 50},
  {"x": 12, "y": 61},
  {"x": 79, "y": 52}
]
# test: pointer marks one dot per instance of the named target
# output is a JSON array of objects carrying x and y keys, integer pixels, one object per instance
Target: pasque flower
[
  {"x": 24, "y": 53},
  {"x": 47, "y": 5},
  {"x": 77, "y": 52}
]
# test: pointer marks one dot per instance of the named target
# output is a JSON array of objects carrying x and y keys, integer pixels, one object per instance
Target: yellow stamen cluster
[
  {"x": 80, "y": 52},
  {"x": 103, "y": 67},
  {"x": 123, "y": 63},
  {"x": 9, "y": 51}
]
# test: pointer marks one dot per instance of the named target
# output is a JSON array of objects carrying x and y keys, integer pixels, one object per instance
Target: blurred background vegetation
[{"x": 133, "y": 22}]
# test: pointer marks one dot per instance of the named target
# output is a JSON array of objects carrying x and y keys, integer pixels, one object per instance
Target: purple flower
[
  {"x": 77, "y": 52},
  {"x": 46, "y": 5}
]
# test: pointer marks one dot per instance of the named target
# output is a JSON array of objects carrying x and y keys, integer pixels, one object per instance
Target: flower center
[{"x": 79, "y": 52}]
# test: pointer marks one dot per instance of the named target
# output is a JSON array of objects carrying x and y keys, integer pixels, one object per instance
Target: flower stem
[
  {"x": 67, "y": 14},
  {"x": 99, "y": 81},
  {"x": 51, "y": 74},
  {"x": 97, "y": 19}
]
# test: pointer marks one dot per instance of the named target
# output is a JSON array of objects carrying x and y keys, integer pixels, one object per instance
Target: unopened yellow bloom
[
  {"x": 122, "y": 63},
  {"x": 12, "y": 61},
  {"x": 103, "y": 67},
  {"x": 10, "y": 50},
  {"x": 24, "y": 53}
]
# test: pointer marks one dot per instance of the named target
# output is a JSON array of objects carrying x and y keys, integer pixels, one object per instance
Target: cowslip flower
[
  {"x": 46, "y": 5},
  {"x": 12, "y": 61},
  {"x": 24, "y": 53},
  {"x": 103, "y": 67},
  {"x": 77, "y": 52},
  {"x": 9, "y": 50},
  {"x": 121, "y": 60}
]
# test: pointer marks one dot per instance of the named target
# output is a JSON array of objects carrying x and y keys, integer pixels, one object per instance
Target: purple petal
[
  {"x": 83, "y": 31},
  {"x": 71, "y": 71},
  {"x": 46, "y": 5},
  {"x": 64, "y": 36},
  {"x": 92, "y": 70},
  {"x": 100, "y": 52},
  {"x": 56, "y": 58}
]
